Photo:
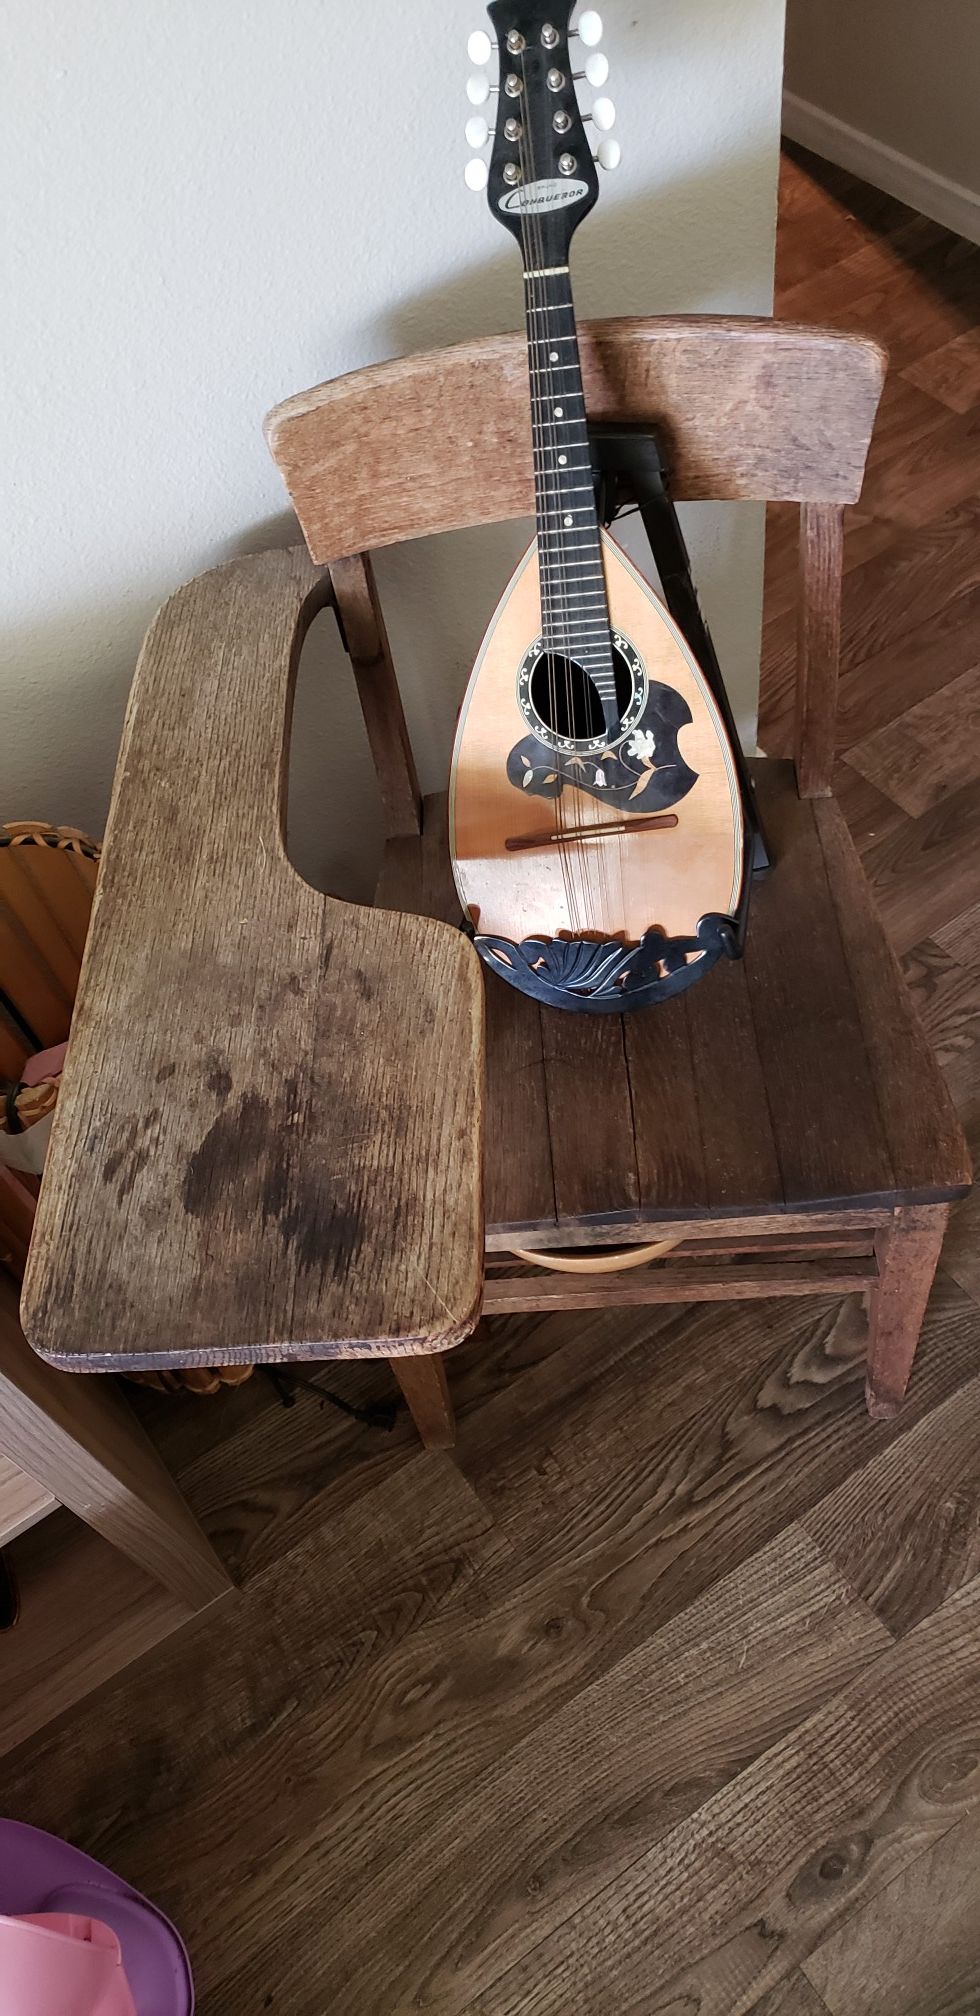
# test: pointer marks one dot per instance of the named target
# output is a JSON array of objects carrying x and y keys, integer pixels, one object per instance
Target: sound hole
[{"x": 567, "y": 703}]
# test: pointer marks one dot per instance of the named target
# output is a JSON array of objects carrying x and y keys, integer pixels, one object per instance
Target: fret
[
  {"x": 574, "y": 609},
  {"x": 561, "y": 618},
  {"x": 583, "y": 575}
]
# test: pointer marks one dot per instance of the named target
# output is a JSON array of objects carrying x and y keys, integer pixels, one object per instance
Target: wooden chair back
[{"x": 746, "y": 409}]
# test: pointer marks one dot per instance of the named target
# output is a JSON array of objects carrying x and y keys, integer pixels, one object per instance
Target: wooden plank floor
[{"x": 662, "y": 1694}]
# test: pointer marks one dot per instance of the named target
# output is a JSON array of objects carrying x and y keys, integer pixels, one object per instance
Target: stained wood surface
[
  {"x": 244, "y": 1163},
  {"x": 661, "y": 1694},
  {"x": 776, "y": 1085},
  {"x": 745, "y": 409}
]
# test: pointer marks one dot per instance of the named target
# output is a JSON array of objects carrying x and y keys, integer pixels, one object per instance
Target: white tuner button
[
  {"x": 609, "y": 154},
  {"x": 477, "y": 131},
  {"x": 477, "y": 88},
  {"x": 597, "y": 69},
  {"x": 604, "y": 114},
  {"x": 479, "y": 47},
  {"x": 476, "y": 174},
  {"x": 590, "y": 28}
]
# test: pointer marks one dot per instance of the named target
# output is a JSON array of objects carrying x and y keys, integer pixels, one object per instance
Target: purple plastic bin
[{"x": 40, "y": 1873}]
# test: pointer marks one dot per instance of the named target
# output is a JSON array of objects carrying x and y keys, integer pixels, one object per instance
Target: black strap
[{"x": 630, "y": 468}]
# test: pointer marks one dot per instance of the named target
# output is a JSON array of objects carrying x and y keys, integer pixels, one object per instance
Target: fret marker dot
[
  {"x": 562, "y": 459},
  {"x": 559, "y": 412},
  {"x": 569, "y": 520},
  {"x": 553, "y": 357}
]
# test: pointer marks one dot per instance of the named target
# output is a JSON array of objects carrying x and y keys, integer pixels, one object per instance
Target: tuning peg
[
  {"x": 589, "y": 29},
  {"x": 479, "y": 48},
  {"x": 604, "y": 114},
  {"x": 477, "y": 131},
  {"x": 476, "y": 174},
  {"x": 608, "y": 154},
  {"x": 477, "y": 88},
  {"x": 596, "y": 70}
]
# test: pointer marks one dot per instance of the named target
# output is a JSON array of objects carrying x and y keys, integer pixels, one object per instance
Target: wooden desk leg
[
  {"x": 907, "y": 1252},
  {"x": 425, "y": 1391},
  {"x": 73, "y": 1433}
]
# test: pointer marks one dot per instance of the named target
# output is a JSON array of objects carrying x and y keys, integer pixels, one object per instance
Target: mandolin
[{"x": 597, "y": 827}]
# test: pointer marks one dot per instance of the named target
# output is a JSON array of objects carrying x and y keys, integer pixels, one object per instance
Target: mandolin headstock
[{"x": 542, "y": 178}]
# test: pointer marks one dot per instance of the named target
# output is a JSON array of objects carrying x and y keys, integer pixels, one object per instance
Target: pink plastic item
[
  {"x": 57, "y": 1961},
  {"x": 44, "y": 1878}
]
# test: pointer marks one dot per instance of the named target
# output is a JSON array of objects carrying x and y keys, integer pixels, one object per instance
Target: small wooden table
[{"x": 269, "y": 1139}]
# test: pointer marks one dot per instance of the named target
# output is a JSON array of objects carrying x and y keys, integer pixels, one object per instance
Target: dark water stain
[
  {"x": 231, "y": 1147},
  {"x": 219, "y": 1082},
  {"x": 114, "y": 1162},
  {"x": 327, "y": 1236},
  {"x": 166, "y": 1071}
]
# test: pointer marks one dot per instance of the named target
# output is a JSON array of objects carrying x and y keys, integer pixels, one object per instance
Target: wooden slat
[
  {"x": 740, "y": 1156},
  {"x": 416, "y": 876},
  {"x": 635, "y": 1229},
  {"x": 821, "y": 560},
  {"x": 590, "y": 1114},
  {"x": 520, "y": 1180},
  {"x": 363, "y": 630},
  {"x": 676, "y": 1284},
  {"x": 855, "y": 1245},
  {"x": 670, "y": 1155},
  {"x": 269, "y": 1136},
  {"x": 746, "y": 408},
  {"x": 703, "y": 1130}
]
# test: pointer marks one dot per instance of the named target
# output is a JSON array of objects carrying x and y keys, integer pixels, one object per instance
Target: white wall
[
  {"x": 210, "y": 204},
  {"x": 891, "y": 88}
]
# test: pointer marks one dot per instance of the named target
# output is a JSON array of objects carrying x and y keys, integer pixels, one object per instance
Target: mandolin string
[
  {"x": 546, "y": 438},
  {"x": 538, "y": 311},
  {"x": 530, "y": 262},
  {"x": 558, "y": 603}
]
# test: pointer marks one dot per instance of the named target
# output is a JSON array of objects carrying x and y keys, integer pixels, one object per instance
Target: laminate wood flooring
[{"x": 661, "y": 1693}]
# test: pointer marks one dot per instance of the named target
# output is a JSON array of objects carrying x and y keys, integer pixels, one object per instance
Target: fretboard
[{"x": 574, "y": 610}]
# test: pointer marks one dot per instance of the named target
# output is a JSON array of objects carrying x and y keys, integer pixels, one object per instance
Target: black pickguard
[{"x": 640, "y": 775}]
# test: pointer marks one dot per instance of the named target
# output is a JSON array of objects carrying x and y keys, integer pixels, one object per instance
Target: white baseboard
[{"x": 921, "y": 188}]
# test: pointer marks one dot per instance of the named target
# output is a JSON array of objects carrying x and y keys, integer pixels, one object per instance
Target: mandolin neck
[{"x": 574, "y": 609}]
